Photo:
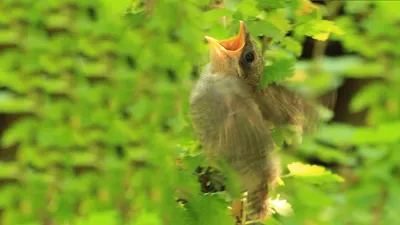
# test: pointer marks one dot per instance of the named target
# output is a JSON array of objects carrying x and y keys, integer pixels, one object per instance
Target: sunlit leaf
[
  {"x": 319, "y": 173},
  {"x": 306, "y": 7}
]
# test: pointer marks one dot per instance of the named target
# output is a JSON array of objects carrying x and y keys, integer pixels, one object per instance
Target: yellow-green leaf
[{"x": 318, "y": 174}]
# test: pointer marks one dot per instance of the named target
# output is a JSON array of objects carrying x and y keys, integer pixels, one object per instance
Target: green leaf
[
  {"x": 271, "y": 4},
  {"x": 312, "y": 173},
  {"x": 8, "y": 170},
  {"x": 51, "y": 86},
  {"x": 19, "y": 132},
  {"x": 383, "y": 133},
  {"x": 337, "y": 134},
  {"x": 366, "y": 70},
  {"x": 8, "y": 37},
  {"x": 8, "y": 194},
  {"x": 369, "y": 96},
  {"x": 12, "y": 104},
  {"x": 311, "y": 196},
  {"x": 279, "y": 20},
  {"x": 263, "y": 28},
  {"x": 115, "y": 9},
  {"x": 326, "y": 153},
  {"x": 147, "y": 218},
  {"x": 216, "y": 14},
  {"x": 292, "y": 45},
  {"x": 279, "y": 70},
  {"x": 13, "y": 81},
  {"x": 271, "y": 221},
  {"x": 319, "y": 29},
  {"x": 248, "y": 8},
  {"x": 209, "y": 209},
  {"x": 58, "y": 21},
  {"x": 107, "y": 217},
  {"x": 357, "y": 6}
]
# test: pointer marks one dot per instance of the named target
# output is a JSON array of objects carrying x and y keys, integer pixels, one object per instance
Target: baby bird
[{"x": 232, "y": 118}]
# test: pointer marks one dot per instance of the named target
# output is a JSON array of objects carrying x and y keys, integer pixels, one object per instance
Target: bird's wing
[
  {"x": 283, "y": 107},
  {"x": 328, "y": 100},
  {"x": 229, "y": 123}
]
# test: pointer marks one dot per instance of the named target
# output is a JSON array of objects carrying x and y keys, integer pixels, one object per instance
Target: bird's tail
[
  {"x": 257, "y": 208},
  {"x": 257, "y": 196}
]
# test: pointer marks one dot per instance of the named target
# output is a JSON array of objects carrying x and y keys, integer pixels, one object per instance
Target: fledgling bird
[{"x": 232, "y": 117}]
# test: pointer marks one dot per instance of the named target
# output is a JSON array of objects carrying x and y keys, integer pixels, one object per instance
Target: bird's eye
[{"x": 249, "y": 57}]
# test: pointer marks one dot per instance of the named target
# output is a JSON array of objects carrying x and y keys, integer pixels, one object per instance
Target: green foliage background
[{"x": 98, "y": 92}]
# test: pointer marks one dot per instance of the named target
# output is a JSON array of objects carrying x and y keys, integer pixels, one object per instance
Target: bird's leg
[
  {"x": 239, "y": 210},
  {"x": 244, "y": 203},
  {"x": 252, "y": 222}
]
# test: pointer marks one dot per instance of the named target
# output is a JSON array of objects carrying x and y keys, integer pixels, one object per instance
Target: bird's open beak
[{"x": 232, "y": 47}]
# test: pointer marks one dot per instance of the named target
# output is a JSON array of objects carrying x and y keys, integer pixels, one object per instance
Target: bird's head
[{"x": 237, "y": 56}]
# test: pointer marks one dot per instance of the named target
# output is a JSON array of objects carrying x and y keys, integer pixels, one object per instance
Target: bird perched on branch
[{"x": 233, "y": 118}]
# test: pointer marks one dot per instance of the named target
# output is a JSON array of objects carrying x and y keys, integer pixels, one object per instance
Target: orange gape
[{"x": 235, "y": 43}]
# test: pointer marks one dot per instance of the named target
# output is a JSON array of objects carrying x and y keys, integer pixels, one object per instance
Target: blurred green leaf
[
  {"x": 107, "y": 217},
  {"x": 368, "y": 96},
  {"x": 313, "y": 173},
  {"x": 20, "y": 132},
  {"x": 319, "y": 29},
  {"x": 8, "y": 170},
  {"x": 259, "y": 28},
  {"x": 13, "y": 104},
  {"x": 292, "y": 45},
  {"x": 271, "y": 4}
]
